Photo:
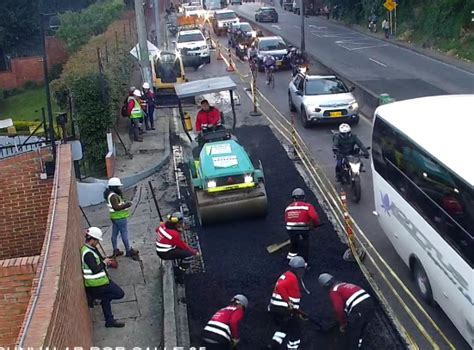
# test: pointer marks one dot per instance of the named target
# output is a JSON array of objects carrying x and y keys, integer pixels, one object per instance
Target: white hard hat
[
  {"x": 344, "y": 128},
  {"x": 298, "y": 193},
  {"x": 115, "y": 181},
  {"x": 146, "y": 85},
  {"x": 297, "y": 262},
  {"x": 326, "y": 280},
  {"x": 95, "y": 232},
  {"x": 137, "y": 93}
]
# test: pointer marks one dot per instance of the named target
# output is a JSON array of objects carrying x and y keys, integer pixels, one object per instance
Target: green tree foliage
[{"x": 78, "y": 27}]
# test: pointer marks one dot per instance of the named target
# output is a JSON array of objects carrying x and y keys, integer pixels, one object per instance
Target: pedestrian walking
[
  {"x": 149, "y": 97},
  {"x": 96, "y": 278},
  {"x": 136, "y": 113},
  {"x": 170, "y": 246},
  {"x": 118, "y": 212},
  {"x": 386, "y": 28},
  {"x": 300, "y": 218},
  {"x": 222, "y": 330},
  {"x": 353, "y": 307},
  {"x": 284, "y": 306}
]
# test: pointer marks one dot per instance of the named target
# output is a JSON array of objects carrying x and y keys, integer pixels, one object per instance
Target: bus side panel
[{"x": 451, "y": 278}]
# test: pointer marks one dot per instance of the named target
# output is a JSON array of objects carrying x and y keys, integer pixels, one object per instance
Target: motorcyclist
[
  {"x": 373, "y": 22},
  {"x": 344, "y": 143},
  {"x": 269, "y": 62},
  {"x": 297, "y": 60}
]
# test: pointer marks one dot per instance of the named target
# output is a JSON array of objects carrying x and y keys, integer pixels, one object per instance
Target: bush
[
  {"x": 30, "y": 85},
  {"x": 55, "y": 71},
  {"x": 78, "y": 27}
]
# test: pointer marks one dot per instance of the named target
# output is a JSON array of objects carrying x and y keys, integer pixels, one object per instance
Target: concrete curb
[
  {"x": 90, "y": 192},
  {"x": 368, "y": 100},
  {"x": 170, "y": 327}
]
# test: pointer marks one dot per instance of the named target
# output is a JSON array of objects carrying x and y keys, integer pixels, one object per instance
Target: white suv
[
  {"x": 192, "y": 43},
  {"x": 222, "y": 21}
]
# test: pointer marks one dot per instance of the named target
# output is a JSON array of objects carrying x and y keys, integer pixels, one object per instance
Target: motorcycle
[
  {"x": 351, "y": 167},
  {"x": 373, "y": 26}
]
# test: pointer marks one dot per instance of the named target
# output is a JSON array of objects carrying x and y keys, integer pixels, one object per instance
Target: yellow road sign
[{"x": 390, "y": 5}]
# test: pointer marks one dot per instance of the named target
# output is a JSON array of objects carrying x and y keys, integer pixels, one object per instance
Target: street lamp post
[
  {"x": 46, "y": 86},
  {"x": 303, "y": 45}
]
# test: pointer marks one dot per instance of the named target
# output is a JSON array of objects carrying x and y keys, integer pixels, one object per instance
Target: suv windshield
[
  {"x": 325, "y": 87},
  {"x": 225, "y": 15},
  {"x": 270, "y": 45},
  {"x": 245, "y": 27},
  {"x": 186, "y": 38}
]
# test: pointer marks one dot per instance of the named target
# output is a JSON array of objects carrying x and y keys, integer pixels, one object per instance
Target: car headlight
[
  {"x": 353, "y": 105},
  {"x": 248, "y": 179},
  {"x": 211, "y": 184},
  {"x": 313, "y": 108}
]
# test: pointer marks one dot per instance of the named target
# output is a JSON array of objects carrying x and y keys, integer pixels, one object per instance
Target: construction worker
[
  {"x": 300, "y": 218},
  {"x": 353, "y": 307},
  {"x": 149, "y": 98},
  {"x": 96, "y": 279},
  {"x": 207, "y": 116},
  {"x": 170, "y": 246},
  {"x": 284, "y": 305},
  {"x": 222, "y": 330},
  {"x": 136, "y": 113},
  {"x": 118, "y": 211}
]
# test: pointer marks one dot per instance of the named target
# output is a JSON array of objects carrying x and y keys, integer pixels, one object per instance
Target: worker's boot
[
  {"x": 117, "y": 252},
  {"x": 133, "y": 253},
  {"x": 114, "y": 324}
]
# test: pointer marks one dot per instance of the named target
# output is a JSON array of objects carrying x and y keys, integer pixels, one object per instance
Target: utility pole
[
  {"x": 156, "y": 11},
  {"x": 303, "y": 45},
  {"x": 144, "y": 58}
]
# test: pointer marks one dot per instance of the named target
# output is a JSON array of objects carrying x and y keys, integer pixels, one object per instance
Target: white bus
[{"x": 423, "y": 176}]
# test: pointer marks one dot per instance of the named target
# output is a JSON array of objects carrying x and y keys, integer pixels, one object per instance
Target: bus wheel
[{"x": 422, "y": 282}]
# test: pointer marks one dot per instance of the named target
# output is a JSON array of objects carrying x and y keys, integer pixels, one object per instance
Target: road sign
[{"x": 390, "y": 5}]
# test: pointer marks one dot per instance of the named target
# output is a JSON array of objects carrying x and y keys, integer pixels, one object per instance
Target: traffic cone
[
  {"x": 230, "y": 67},
  {"x": 219, "y": 56}
]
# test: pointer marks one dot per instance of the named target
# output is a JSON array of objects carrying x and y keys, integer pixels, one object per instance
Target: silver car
[{"x": 320, "y": 99}]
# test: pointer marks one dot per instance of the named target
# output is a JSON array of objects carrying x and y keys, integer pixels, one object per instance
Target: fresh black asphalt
[{"x": 236, "y": 261}]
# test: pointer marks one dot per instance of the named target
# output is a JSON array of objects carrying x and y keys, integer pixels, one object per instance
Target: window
[
  {"x": 187, "y": 38},
  {"x": 444, "y": 200},
  {"x": 225, "y": 15},
  {"x": 271, "y": 45},
  {"x": 325, "y": 87}
]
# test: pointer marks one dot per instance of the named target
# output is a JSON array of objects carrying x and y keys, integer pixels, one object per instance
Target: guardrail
[{"x": 11, "y": 150}]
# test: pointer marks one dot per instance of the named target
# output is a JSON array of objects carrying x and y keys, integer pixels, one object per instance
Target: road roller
[{"x": 225, "y": 183}]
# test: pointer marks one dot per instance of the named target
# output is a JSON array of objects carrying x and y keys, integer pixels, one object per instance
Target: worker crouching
[
  {"x": 353, "y": 307},
  {"x": 222, "y": 330},
  {"x": 170, "y": 246},
  {"x": 96, "y": 278}
]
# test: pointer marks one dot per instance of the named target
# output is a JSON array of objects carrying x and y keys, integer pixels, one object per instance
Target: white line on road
[
  {"x": 366, "y": 47},
  {"x": 378, "y": 62},
  {"x": 295, "y": 26},
  {"x": 317, "y": 27},
  {"x": 276, "y": 26}
]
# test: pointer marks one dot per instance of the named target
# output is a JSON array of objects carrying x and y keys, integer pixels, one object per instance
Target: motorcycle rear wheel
[{"x": 356, "y": 190}]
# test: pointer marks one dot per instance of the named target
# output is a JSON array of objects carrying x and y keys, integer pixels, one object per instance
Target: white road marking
[
  {"x": 276, "y": 26},
  {"x": 317, "y": 27},
  {"x": 367, "y": 47},
  {"x": 378, "y": 62}
]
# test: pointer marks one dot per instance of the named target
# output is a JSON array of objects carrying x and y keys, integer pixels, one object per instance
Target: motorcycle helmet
[
  {"x": 345, "y": 130},
  {"x": 298, "y": 52}
]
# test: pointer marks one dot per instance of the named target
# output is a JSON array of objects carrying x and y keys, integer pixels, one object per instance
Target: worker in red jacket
[
  {"x": 222, "y": 330},
  {"x": 285, "y": 303},
  {"x": 300, "y": 218},
  {"x": 169, "y": 245},
  {"x": 353, "y": 307},
  {"x": 207, "y": 116}
]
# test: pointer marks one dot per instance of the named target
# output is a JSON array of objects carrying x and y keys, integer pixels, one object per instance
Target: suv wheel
[
  {"x": 290, "y": 103},
  {"x": 304, "y": 118}
]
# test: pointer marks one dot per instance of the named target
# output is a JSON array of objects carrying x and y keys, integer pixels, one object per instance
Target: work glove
[
  {"x": 291, "y": 307},
  {"x": 343, "y": 329},
  {"x": 235, "y": 342}
]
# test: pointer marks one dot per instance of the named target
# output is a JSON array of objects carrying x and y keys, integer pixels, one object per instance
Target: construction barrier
[
  {"x": 219, "y": 55},
  {"x": 253, "y": 88},
  {"x": 230, "y": 67}
]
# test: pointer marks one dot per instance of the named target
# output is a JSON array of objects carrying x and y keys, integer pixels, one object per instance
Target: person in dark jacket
[
  {"x": 96, "y": 278},
  {"x": 344, "y": 143},
  {"x": 149, "y": 97}
]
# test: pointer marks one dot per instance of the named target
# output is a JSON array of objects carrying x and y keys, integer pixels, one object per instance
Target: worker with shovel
[
  {"x": 96, "y": 279},
  {"x": 118, "y": 211},
  {"x": 300, "y": 218},
  {"x": 353, "y": 307},
  {"x": 285, "y": 304}
]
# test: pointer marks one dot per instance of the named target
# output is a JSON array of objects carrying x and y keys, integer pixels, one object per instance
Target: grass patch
[{"x": 26, "y": 105}]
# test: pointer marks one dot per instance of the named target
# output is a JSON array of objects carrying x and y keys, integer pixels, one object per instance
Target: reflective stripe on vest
[
  {"x": 297, "y": 226},
  {"x": 218, "y": 328},
  {"x": 137, "y": 111},
  {"x": 277, "y": 300},
  {"x": 355, "y": 299},
  {"x": 116, "y": 214},
  {"x": 92, "y": 280}
]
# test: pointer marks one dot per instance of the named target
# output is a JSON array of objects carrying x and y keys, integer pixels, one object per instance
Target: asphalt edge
[
  {"x": 170, "y": 324},
  {"x": 385, "y": 306}
]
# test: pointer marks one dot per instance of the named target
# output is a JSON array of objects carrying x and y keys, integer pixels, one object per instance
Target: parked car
[
  {"x": 236, "y": 2},
  {"x": 320, "y": 99},
  {"x": 222, "y": 20},
  {"x": 275, "y": 46},
  {"x": 193, "y": 45},
  {"x": 266, "y": 14}
]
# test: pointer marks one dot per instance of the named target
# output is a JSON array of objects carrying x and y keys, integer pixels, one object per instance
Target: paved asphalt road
[
  {"x": 376, "y": 64},
  {"x": 319, "y": 140}
]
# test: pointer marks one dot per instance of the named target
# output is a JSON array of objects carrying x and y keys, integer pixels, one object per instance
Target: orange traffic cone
[
  {"x": 230, "y": 67},
  {"x": 219, "y": 56}
]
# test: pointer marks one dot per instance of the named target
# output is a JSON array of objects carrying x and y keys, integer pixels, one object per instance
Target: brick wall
[
  {"x": 31, "y": 68},
  {"x": 24, "y": 204},
  {"x": 16, "y": 278},
  {"x": 61, "y": 317}
]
